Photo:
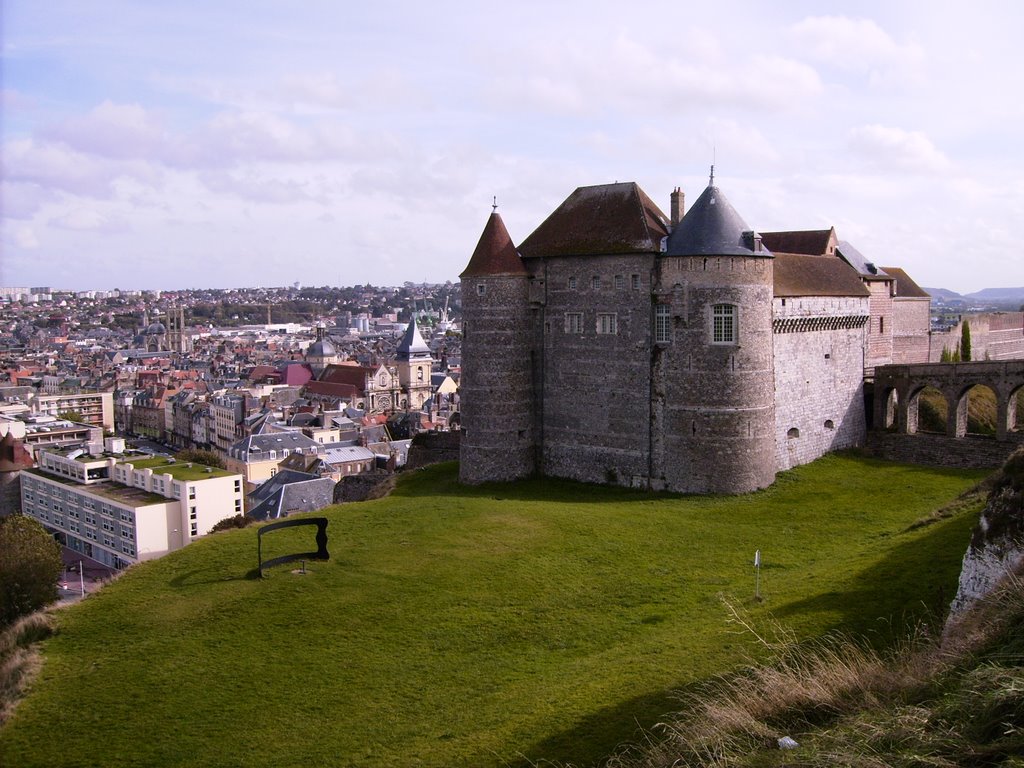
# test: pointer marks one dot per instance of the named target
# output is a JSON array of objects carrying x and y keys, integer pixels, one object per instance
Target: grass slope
[{"x": 463, "y": 626}]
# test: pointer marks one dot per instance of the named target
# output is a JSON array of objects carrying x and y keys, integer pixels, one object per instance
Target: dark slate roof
[
  {"x": 603, "y": 219},
  {"x": 811, "y": 242},
  {"x": 906, "y": 288},
  {"x": 712, "y": 227},
  {"x": 867, "y": 269},
  {"x": 412, "y": 343},
  {"x": 495, "y": 254},
  {"x": 797, "y": 274},
  {"x": 293, "y": 492}
]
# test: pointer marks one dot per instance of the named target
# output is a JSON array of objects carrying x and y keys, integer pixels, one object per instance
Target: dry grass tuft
[
  {"x": 925, "y": 704},
  {"x": 19, "y": 658}
]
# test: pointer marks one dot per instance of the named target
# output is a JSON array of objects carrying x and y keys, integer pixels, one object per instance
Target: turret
[
  {"x": 496, "y": 386},
  {"x": 713, "y": 369}
]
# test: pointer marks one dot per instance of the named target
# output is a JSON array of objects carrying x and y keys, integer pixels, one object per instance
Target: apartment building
[
  {"x": 121, "y": 508},
  {"x": 97, "y": 408}
]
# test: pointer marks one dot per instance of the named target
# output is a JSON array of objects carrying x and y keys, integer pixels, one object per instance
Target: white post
[
  {"x": 81, "y": 576},
  {"x": 757, "y": 575}
]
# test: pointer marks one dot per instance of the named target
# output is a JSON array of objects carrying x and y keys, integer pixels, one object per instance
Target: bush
[
  {"x": 228, "y": 523},
  {"x": 207, "y": 458},
  {"x": 30, "y": 565}
]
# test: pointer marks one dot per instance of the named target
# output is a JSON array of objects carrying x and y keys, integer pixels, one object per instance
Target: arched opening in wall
[
  {"x": 932, "y": 410},
  {"x": 892, "y": 402},
  {"x": 981, "y": 410},
  {"x": 829, "y": 424},
  {"x": 793, "y": 433},
  {"x": 1015, "y": 411}
]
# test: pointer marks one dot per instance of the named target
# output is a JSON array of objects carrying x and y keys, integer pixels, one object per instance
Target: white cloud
[
  {"x": 26, "y": 238},
  {"x": 895, "y": 149},
  {"x": 858, "y": 45},
  {"x": 111, "y": 130}
]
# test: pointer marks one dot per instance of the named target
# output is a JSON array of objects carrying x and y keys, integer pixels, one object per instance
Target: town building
[
  {"x": 618, "y": 345},
  {"x": 121, "y": 508}
]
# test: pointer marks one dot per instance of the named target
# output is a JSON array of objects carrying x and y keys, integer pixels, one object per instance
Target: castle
[{"x": 687, "y": 353}]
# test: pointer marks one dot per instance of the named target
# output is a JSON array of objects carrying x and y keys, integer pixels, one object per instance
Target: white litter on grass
[{"x": 787, "y": 743}]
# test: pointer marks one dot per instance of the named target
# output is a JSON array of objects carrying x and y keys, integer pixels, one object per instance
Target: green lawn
[{"x": 460, "y": 626}]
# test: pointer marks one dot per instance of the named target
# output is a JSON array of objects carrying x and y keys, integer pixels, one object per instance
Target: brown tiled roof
[
  {"x": 812, "y": 242},
  {"x": 353, "y": 375},
  {"x": 603, "y": 219},
  {"x": 906, "y": 288},
  {"x": 797, "y": 274},
  {"x": 331, "y": 389},
  {"x": 495, "y": 254}
]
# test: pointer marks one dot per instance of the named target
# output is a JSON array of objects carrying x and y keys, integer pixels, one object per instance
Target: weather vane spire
[
  {"x": 494, "y": 207},
  {"x": 711, "y": 182}
]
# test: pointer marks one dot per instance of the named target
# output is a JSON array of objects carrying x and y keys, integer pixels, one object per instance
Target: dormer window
[{"x": 481, "y": 289}]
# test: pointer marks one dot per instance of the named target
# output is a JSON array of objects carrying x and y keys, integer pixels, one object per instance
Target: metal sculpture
[{"x": 321, "y": 542}]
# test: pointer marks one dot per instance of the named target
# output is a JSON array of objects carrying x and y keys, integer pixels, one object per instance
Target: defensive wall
[{"x": 994, "y": 336}]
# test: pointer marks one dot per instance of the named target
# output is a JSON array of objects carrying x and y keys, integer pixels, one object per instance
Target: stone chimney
[{"x": 678, "y": 206}]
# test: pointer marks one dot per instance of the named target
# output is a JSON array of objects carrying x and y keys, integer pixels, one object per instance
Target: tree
[
  {"x": 965, "y": 342},
  {"x": 71, "y": 415},
  {"x": 30, "y": 564}
]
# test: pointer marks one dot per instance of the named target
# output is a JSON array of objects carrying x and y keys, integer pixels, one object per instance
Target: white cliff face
[{"x": 997, "y": 548}]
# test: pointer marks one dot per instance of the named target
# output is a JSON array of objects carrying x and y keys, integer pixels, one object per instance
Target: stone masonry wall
[
  {"x": 911, "y": 321},
  {"x": 594, "y": 397},
  {"x": 496, "y": 387},
  {"x": 942, "y": 451},
  {"x": 819, "y": 378},
  {"x": 994, "y": 336},
  {"x": 715, "y": 402}
]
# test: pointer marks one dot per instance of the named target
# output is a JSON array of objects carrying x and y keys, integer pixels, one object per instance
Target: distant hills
[{"x": 984, "y": 296}]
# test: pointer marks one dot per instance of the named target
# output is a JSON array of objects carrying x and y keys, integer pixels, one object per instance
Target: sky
[{"x": 170, "y": 145}]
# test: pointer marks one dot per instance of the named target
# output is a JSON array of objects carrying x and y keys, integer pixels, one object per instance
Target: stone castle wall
[
  {"x": 994, "y": 336},
  {"x": 819, "y": 375},
  {"x": 911, "y": 321},
  {"x": 715, "y": 401},
  {"x": 497, "y": 377},
  {"x": 594, "y": 394},
  {"x": 941, "y": 450}
]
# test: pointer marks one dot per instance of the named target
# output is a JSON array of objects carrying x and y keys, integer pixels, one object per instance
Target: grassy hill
[{"x": 462, "y": 626}]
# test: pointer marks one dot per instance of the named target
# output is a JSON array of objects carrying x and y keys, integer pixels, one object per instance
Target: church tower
[
  {"x": 414, "y": 362},
  {"x": 496, "y": 390},
  {"x": 713, "y": 394}
]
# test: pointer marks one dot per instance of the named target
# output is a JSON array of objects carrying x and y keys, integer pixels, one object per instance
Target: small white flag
[{"x": 757, "y": 559}]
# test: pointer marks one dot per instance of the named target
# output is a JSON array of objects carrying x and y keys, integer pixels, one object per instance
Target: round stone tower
[
  {"x": 496, "y": 389},
  {"x": 714, "y": 373}
]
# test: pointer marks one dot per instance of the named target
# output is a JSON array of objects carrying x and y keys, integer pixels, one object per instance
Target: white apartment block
[
  {"x": 121, "y": 508},
  {"x": 97, "y": 408}
]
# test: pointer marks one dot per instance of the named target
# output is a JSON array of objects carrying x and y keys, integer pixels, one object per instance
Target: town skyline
[{"x": 182, "y": 147}]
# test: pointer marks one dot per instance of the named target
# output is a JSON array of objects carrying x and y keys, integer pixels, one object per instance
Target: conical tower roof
[
  {"x": 495, "y": 254},
  {"x": 412, "y": 344},
  {"x": 712, "y": 227}
]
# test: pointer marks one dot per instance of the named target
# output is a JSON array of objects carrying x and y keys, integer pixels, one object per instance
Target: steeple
[{"x": 412, "y": 344}]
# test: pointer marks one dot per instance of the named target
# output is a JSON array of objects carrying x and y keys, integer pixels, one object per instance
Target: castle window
[
  {"x": 724, "y": 324},
  {"x": 792, "y": 433},
  {"x": 595, "y": 282},
  {"x": 635, "y": 282},
  {"x": 572, "y": 283},
  {"x": 481, "y": 289},
  {"x": 620, "y": 282},
  {"x": 881, "y": 325},
  {"x": 607, "y": 323},
  {"x": 662, "y": 326},
  {"x": 574, "y": 322}
]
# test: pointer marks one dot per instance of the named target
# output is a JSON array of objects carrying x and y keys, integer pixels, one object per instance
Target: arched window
[
  {"x": 724, "y": 324},
  {"x": 793, "y": 432}
]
